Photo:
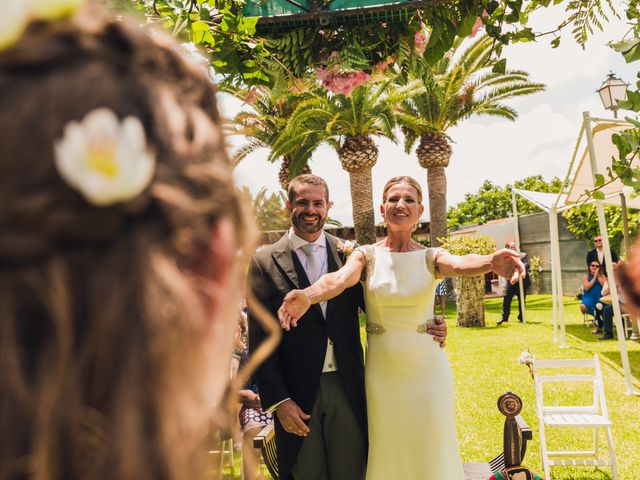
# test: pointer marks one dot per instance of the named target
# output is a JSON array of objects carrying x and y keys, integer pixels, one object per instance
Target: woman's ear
[
  {"x": 223, "y": 250},
  {"x": 223, "y": 244},
  {"x": 217, "y": 269}
]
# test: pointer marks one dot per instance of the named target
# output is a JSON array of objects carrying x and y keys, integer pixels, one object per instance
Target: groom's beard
[{"x": 304, "y": 226}]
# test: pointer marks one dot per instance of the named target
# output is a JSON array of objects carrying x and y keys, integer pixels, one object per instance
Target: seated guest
[
  {"x": 252, "y": 419},
  {"x": 607, "y": 312},
  {"x": 592, "y": 283},
  {"x": 120, "y": 229}
]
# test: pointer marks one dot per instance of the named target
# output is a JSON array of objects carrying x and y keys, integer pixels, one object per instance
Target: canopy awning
[
  {"x": 544, "y": 200},
  {"x": 596, "y": 150},
  {"x": 582, "y": 175}
]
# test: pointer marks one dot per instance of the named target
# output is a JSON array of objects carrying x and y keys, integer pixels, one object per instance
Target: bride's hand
[
  {"x": 507, "y": 264},
  {"x": 294, "y": 306}
]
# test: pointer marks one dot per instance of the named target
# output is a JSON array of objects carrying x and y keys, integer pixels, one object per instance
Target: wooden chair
[
  {"x": 594, "y": 416},
  {"x": 516, "y": 435}
]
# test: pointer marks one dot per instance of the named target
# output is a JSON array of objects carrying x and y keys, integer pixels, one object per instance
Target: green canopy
[{"x": 287, "y": 14}]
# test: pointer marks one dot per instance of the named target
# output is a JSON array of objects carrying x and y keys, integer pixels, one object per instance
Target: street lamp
[{"x": 612, "y": 90}]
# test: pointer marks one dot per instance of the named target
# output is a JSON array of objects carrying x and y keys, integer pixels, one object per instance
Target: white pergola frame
[{"x": 558, "y": 206}]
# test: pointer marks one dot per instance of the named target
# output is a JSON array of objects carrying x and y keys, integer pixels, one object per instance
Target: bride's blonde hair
[{"x": 402, "y": 179}]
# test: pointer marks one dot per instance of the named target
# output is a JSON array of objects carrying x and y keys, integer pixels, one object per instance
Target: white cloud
[{"x": 539, "y": 142}]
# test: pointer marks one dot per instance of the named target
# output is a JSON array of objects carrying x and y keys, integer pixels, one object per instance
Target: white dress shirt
[{"x": 322, "y": 253}]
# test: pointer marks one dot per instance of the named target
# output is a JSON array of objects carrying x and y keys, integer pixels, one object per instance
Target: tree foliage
[
  {"x": 492, "y": 202},
  {"x": 245, "y": 56},
  {"x": 467, "y": 244},
  {"x": 583, "y": 222},
  {"x": 464, "y": 83},
  {"x": 269, "y": 210}
]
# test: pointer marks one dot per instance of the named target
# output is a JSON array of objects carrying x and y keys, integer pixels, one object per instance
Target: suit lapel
[
  {"x": 334, "y": 264},
  {"x": 283, "y": 256}
]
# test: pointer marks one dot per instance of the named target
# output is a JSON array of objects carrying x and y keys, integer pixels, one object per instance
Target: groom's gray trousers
[{"x": 335, "y": 448}]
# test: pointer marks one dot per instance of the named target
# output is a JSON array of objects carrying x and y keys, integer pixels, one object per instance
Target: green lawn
[{"x": 485, "y": 364}]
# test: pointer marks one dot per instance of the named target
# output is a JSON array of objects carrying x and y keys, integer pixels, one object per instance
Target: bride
[{"x": 409, "y": 385}]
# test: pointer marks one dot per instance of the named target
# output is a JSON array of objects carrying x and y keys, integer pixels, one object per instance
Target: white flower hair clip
[
  {"x": 16, "y": 15},
  {"x": 105, "y": 159}
]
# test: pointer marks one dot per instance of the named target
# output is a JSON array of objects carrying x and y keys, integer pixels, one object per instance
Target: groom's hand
[
  {"x": 438, "y": 330},
  {"x": 292, "y": 418}
]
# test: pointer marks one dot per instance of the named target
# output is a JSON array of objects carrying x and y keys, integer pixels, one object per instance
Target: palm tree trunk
[
  {"x": 437, "y": 186},
  {"x": 361, "y": 198},
  {"x": 470, "y": 301}
]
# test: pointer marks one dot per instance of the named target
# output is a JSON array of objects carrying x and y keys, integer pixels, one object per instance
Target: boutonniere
[{"x": 346, "y": 247}]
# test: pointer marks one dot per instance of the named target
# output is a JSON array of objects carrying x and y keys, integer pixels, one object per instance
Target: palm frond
[{"x": 246, "y": 149}]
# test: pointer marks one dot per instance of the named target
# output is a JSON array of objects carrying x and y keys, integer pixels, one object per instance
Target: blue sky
[{"x": 539, "y": 142}]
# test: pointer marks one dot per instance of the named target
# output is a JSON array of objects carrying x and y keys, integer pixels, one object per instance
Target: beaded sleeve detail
[
  {"x": 370, "y": 259},
  {"x": 432, "y": 259}
]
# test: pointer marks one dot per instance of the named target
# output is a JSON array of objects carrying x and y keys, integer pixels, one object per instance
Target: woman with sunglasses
[{"x": 592, "y": 283}]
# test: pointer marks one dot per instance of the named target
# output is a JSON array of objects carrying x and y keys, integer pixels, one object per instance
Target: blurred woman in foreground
[{"x": 119, "y": 236}]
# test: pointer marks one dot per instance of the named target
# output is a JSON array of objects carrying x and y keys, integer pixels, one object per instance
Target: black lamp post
[{"x": 612, "y": 90}]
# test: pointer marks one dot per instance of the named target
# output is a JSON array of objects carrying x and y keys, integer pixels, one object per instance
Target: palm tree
[
  {"x": 268, "y": 117},
  {"x": 473, "y": 84},
  {"x": 348, "y": 124}
]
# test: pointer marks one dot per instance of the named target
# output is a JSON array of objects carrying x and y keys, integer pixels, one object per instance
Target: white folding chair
[
  {"x": 221, "y": 454},
  {"x": 594, "y": 416},
  {"x": 628, "y": 325}
]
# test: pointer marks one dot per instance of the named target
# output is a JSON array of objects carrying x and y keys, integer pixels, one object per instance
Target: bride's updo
[
  {"x": 111, "y": 324},
  {"x": 402, "y": 179}
]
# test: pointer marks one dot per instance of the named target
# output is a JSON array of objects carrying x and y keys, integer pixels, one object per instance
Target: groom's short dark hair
[{"x": 305, "y": 179}]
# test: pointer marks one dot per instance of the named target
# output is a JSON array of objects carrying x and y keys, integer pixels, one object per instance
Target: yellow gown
[{"x": 409, "y": 385}]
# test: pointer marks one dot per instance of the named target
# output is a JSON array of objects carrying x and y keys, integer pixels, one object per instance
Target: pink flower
[
  {"x": 251, "y": 96},
  {"x": 479, "y": 24},
  {"x": 420, "y": 42},
  {"x": 476, "y": 27},
  {"x": 323, "y": 73},
  {"x": 342, "y": 83}
]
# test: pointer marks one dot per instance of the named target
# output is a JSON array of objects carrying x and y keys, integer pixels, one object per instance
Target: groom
[{"x": 314, "y": 381}]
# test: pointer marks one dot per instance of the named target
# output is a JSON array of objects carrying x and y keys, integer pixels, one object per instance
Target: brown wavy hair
[{"x": 102, "y": 372}]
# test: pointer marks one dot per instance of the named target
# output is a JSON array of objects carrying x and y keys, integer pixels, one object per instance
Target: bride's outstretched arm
[
  {"x": 297, "y": 302},
  {"x": 504, "y": 262}
]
